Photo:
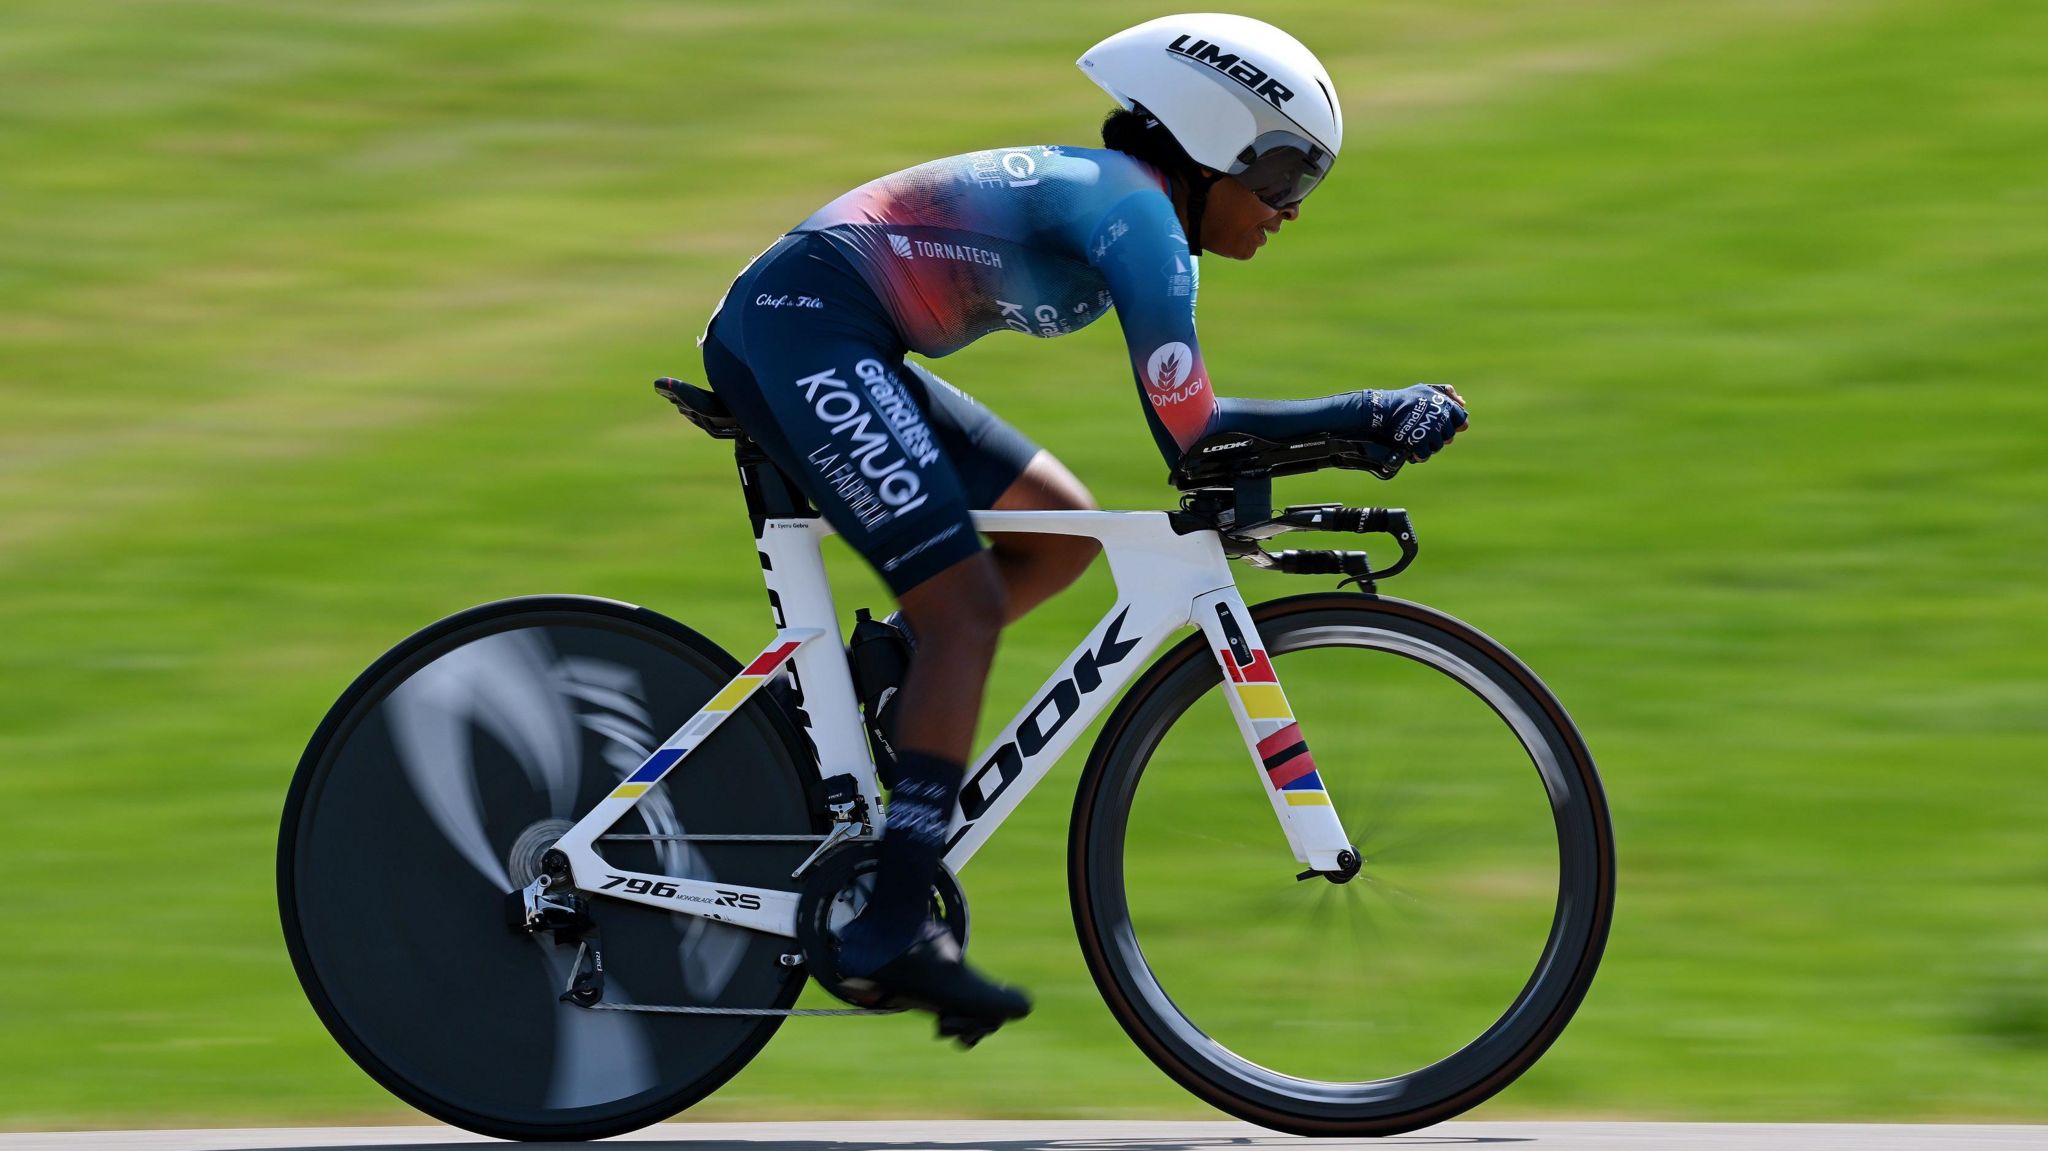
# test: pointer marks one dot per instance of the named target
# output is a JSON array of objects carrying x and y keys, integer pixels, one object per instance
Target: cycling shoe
[{"x": 933, "y": 975}]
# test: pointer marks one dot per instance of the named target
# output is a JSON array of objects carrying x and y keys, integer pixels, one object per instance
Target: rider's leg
[
  {"x": 876, "y": 443},
  {"x": 1035, "y": 567},
  {"x": 959, "y": 613},
  {"x": 1001, "y": 468},
  {"x": 1032, "y": 568}
]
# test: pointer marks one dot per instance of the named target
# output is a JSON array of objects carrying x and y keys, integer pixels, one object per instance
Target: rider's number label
[{"x": 638, "y": 886}]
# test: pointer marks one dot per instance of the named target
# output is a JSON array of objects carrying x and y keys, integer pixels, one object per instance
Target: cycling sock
[{"x": 920, "y": 807}]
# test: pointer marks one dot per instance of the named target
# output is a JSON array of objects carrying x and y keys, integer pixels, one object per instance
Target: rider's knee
[
  {"x": 1066, "y": 557},
  {"x": 1048, "y": 486},
  {"x": 1071, "y": 555},
  {"x": 962, "y": 607}
]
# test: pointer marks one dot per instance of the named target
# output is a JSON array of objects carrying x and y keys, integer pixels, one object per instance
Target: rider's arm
[{"x": 1143, "y": 256}]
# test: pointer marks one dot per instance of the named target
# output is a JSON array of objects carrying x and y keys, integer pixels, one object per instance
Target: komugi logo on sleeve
[{"x": 1167, "y": 370}]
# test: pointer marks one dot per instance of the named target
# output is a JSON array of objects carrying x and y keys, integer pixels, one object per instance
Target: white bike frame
[{"x": 1165, "y": 581}]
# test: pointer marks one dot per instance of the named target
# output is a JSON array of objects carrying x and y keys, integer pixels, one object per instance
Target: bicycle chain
[
  {"x": 687, "y": 838},
  {"x": 583, "y": 949}
]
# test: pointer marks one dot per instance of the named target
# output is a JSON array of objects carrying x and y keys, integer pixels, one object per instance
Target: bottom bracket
[{"x": 837, "y": 888}]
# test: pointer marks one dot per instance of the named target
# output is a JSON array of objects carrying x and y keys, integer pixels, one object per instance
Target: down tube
[
  {"x": 1095, "y": 674},
  {"x": 1279, "y": 749}
]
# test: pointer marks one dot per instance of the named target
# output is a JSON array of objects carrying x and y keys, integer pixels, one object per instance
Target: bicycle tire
[
  {"x": 1382, "y": 1105},
  {"x": 391, "y": 878}
]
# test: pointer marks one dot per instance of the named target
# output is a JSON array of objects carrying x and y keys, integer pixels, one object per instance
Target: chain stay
[
  {"x": 688, "y": 838},
  {"x": 662, "y": 1009}
]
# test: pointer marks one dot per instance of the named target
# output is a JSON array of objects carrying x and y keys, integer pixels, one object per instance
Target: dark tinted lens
[{"x": 1282, "y": 177}]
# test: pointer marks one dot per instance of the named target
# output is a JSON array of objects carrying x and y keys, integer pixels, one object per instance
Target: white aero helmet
[{"x": 1240, "y": 96}]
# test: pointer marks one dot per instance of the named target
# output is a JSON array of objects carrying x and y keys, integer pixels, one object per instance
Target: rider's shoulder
[
  {"x": 1115, "y": 172},
  {"x": 1044, "y": 166}
]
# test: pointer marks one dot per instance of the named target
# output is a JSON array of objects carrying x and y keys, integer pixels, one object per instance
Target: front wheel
[
  {"x": 1415, "y": 989},
  {"x": 435, "y": 786}
]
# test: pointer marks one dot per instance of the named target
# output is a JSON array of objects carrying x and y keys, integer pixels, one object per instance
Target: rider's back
[{"x": 1005, "y": 238}]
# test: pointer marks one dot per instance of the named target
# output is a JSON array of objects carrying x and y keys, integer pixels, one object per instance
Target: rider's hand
[{"x": 1418, "y": 420}]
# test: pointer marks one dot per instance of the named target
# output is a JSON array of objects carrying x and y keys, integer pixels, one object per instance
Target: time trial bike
[{"x": 557, "y": 867}]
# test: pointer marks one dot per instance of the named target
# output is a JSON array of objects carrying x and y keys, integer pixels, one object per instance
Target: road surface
[{"x": 1090, "y": 1135}]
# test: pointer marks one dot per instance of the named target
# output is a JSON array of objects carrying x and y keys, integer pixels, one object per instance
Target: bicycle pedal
[{"x": 864, "y": 993}]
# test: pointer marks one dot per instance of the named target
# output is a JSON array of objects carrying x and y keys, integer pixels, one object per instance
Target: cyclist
[{"x": 1224, "y": 125}]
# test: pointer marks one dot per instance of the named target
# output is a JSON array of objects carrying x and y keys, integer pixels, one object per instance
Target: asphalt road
[{"x": 978, "y": 1135}]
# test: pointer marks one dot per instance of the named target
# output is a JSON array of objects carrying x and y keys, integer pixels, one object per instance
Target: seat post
[{"x": 770, "y": 493}]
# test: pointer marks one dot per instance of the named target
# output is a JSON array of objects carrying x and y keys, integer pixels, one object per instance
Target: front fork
[{"x": 1278, "y": 749}]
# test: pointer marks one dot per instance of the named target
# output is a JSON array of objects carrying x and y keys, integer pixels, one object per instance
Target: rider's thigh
[
  {"x": 1045, "y": 485},
  {"x": 831, "y": 410},
  {"x": 1037, "y": 567},
  {"x": 1002, "y": 469},
  {"x": 961, "y": 607},
  {"x": 990, "y": 455}
]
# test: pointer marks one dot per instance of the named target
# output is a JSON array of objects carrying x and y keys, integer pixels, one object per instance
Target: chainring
[{"x": 837, "y": 888}]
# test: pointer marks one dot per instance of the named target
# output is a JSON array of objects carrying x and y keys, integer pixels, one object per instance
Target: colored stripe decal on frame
[
  {"x": 1278, "y": 742},
  {"x": 1294, "y": 771},
  {"x": 657, "y": 765},
  {"x": 1260, "y": 670},
  {"x": 768, "y": 661},
  {"x": 1263, "y": 701},
  {"x": 734, "y": 693}
]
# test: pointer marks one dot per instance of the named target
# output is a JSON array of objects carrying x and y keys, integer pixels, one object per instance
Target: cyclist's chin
[{"x": 1243, "y": 246}]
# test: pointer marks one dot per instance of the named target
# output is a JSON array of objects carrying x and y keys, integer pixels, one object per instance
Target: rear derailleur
[{"x": 533, "y": 910}]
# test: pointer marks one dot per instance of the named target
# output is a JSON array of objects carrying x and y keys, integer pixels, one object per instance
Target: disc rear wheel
[{"x": 435, "y": 786}]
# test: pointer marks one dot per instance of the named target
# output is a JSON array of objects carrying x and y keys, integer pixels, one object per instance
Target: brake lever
[
  {"x": 1352, "y": 566},
  {"x": 1390, "y": 521}
]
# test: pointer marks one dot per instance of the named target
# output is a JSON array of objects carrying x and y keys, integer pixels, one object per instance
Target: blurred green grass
[{"x": 319, "y": 322}]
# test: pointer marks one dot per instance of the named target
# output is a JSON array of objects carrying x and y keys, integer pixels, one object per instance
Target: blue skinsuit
[{"x": 807, "y": 347}]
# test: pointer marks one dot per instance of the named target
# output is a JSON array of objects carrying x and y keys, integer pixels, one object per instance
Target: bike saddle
[{"x": 702, "y": 408}]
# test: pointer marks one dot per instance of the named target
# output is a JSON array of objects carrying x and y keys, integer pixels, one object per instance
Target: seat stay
[
  {"x": 762, "y": 909},
  {"x": 821, "y": 692}
]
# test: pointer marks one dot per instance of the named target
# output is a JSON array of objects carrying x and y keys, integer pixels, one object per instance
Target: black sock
[{"x": 920, "y": 808}]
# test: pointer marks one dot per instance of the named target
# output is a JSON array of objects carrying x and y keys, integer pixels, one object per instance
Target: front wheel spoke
[{"x": 1430, "y": 743}]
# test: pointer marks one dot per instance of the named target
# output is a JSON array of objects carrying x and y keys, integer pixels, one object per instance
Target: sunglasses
[{"x": 1284, "y": 173}]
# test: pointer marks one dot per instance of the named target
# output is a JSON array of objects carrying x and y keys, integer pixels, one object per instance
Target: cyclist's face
[{"x": 1236, "y": 223}]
